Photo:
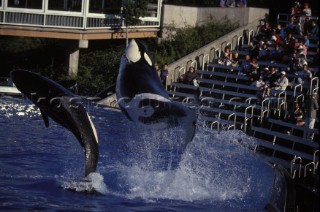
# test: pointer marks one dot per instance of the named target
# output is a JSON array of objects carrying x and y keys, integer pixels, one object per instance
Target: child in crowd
[{"x": 163, "y": 74}]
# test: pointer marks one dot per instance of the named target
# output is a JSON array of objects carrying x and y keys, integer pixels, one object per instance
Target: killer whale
[
  {"x": 63, "y": 107},
  {"x": 142, "y": 97}
]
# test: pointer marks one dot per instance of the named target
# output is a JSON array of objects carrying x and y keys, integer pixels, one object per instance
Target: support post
[{"x": 73, "y": 52}]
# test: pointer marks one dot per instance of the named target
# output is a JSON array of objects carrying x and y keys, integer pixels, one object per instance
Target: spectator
[
  {"x": 301, "y": 48},
  {"x": 235, "y": 60},
  {"x": 306, "y": 9},
  {"x": 297, "y": 27},
  {"x": 307, "y": 26},
  {"x": 281, "y": 83},
  {"x": 254, "y": 52},
  {"x": 306, "y": 40},
  {"x": 254, "y": 70},
  {"x": 277, "y": 53},
  {"x": 265, "y": 31},
  {"x": 223, "y": 3},
  {"x": 191, "y": 77},
  {"x": 295, "y": 115},
  {"x": 296, "y": 9},
  {"x": 258, "y": 83},
  {"x": 293, "y": 26},
  {"x": 270, "y": 80},
  {"x": 305, "y": 12},
  {"x": 225, "y": 59},
  {"x": 301, "y": 62},
  {"x": 275, "y": 38},
  {"x": 242, "y": 3},
  {"x": 281, "y": 32},
  {"x": 312, "y": 107},
  {"x": 254, "y": 67},
  {"x": 264, "y": 52},
  {"x": 305, "y": 78},
  {"x": 157, "y": 69},
  {"x": 289, "y": 42},
  {"x": 245, "y": 65},
  {"x": 231, "y": 3},
  {"x": 265, "y": 74},
  {"x": 314, "y": 30},
  {"x": 290, "y": 26},
  {"x": 163, "y": 74},
  {"x": 228, "y": 53},
  {"x": 293, "y": 62}
]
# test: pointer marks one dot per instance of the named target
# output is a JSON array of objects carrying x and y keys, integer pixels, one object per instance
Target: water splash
[
  {"x": 93, "y": 183},
  {"x": 214, "y": 168}
]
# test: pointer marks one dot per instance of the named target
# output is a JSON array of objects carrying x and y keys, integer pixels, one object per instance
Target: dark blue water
[{"x": 139, "y": 169}]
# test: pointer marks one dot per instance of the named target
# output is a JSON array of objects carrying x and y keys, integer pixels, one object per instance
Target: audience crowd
[{"x": 289, "y": 45}]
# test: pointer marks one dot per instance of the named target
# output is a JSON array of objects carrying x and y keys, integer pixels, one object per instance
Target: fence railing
[
  {"x": 73, "y": 20},
  {"x": 209, "y": 53}
]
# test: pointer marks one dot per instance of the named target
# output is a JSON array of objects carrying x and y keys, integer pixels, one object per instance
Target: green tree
[{"x": 132, "y": 11}]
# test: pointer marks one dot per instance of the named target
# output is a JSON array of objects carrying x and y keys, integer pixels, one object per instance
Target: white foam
[
  {"x": 91, "y": 184},
  {"x": 215, "y": 168}
]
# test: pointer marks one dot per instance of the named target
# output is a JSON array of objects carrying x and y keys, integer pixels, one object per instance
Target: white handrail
[
  {"x": 204, "y": 61},
  {"x": 293, "y": 162},
  {"x": 306, "y": 168}
]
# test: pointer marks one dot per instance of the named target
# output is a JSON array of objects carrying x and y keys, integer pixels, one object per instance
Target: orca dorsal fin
[{"x": 45, "y": 118}]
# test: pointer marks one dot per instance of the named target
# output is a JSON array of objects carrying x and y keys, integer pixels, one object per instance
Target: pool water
[{"x": 139, "y": 169}]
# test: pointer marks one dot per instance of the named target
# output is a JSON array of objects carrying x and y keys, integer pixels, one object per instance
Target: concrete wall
[
  {"x": 248, "y": 19},
  {"x": 182, "y": 16}
]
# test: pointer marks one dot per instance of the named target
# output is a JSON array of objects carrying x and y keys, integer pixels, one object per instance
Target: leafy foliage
[
  {"x": 132, "y": 10},
  {"x": 185, "y": 40},
  {"x": 98, "y": 69}
]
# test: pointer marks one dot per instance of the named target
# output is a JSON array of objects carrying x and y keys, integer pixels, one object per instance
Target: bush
[{"x": 186, "y": 40}]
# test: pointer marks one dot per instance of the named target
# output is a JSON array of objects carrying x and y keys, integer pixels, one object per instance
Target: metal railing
[
  {"x": 69, "y": 19},
  {"x": 213, "y": 50},
  {"x": 284, "y": 18},
  {"x": 292, "y": 170}
]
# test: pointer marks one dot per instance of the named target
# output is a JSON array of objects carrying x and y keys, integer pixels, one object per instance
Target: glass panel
[
  {"x": 30, "y": 4},
  {"x": 152, "y": 8},
  {"x": 105, "y": 6},
  {"x": 65, "y": 5}
]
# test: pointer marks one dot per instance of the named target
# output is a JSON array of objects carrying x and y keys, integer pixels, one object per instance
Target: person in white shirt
[
  {"x": 282, "y": 82},
  {"x": 306, "y": 10}
]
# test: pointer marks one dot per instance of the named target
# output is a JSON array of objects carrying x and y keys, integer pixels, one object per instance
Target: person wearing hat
[
  {"x": 282, "y": 82},
  {"x": 280, "y": 85}
]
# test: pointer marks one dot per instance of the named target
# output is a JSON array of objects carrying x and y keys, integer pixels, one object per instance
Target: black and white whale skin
[
  {"x": 63, "y": 107},
  {"x": 141, "y": 96}
]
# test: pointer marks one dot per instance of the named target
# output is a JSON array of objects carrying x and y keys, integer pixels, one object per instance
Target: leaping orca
[
  {"x": 63, "y": 107},
  {"x": 142, "y": 97}
]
